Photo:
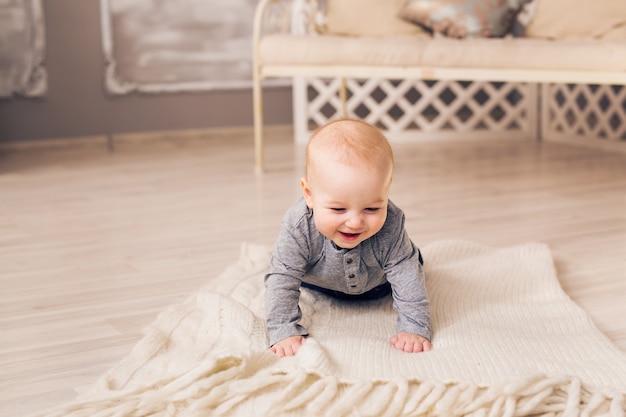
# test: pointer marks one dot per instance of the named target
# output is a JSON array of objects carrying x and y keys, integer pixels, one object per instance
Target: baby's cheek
[
  {"x": 380, "y": 223},
  {"x": 323, "y": 227}
]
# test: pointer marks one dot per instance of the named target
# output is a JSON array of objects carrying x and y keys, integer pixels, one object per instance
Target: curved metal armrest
[
  {"x": 277, "y": 16},
  {"x": 286, "y": 16}
]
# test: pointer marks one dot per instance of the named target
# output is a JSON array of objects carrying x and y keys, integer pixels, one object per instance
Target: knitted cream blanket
[{"x": 507, "y": 341}]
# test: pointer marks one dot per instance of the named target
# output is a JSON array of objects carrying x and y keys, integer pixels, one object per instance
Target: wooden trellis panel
[
  {"x": 420, "y": 110},
  {"x": 585, "y": 113}
]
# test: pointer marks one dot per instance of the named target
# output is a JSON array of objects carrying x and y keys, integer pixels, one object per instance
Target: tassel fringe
[{"x": 226, "y": 387}]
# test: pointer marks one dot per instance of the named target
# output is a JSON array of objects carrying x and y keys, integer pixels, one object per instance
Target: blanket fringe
[{"x": 226, "y": 387}]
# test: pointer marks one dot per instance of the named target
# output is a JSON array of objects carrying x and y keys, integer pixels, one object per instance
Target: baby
[{"x": 346, "y": 239}]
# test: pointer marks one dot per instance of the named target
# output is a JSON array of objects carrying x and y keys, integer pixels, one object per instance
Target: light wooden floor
[{"x": 94, "y": 244}]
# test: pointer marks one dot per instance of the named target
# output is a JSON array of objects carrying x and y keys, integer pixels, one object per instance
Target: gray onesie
[{"x": 302, "y": 254}]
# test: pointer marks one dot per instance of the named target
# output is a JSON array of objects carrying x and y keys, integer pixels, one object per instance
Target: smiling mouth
[{"x": 349, "y": 236}]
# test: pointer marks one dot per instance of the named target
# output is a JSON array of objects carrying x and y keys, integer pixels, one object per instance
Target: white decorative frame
[
  {"x": 585, "y": 114},
  {"x": 154, "y": 46},
  {"x": 419, "y": 110},
  {"x": 22, "y": 71}
]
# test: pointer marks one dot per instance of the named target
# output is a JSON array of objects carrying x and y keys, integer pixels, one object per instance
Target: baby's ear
[{"x": 306, "y": 192}]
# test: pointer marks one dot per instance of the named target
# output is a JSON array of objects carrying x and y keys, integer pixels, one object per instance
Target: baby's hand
[
  {"x": 288, "y": 346},
  {"x": 410, "y": 343}
]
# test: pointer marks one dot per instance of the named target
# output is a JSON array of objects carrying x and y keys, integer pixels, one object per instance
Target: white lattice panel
[
  {"x": 415, "y": 109},
  {"x": 585, "y": 113}
]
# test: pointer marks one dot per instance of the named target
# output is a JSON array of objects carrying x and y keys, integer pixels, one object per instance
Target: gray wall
[{"x": 77, "y": 105}]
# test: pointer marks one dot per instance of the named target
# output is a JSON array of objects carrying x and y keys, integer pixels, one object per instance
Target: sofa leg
[
  {"x": 343, "y": 97},
  {"x": 544, "y": 113},
  {"x": 257, "y": 104}
]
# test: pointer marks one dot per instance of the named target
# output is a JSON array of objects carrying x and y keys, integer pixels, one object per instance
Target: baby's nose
[{"x": 354, "y": 221}]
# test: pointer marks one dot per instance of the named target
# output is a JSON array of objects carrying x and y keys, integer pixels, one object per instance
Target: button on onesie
[{"x": 351, "y": 275}]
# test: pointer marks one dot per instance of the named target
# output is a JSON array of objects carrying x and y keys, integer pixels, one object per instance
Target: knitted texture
[{"x": 507, "y": 342}]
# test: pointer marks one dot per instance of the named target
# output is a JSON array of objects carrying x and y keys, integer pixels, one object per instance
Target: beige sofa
[{"x": 312, "y": 39}]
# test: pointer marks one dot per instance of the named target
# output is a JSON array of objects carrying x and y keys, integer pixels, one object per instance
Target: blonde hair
[{"x": 348, "y": 141}]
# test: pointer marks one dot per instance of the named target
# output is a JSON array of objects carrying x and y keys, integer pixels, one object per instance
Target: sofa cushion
[
  {"x": 368, "y": 18},
  {"x": 402, "y": 51},
  {"x": 471, "y": 18},
  {"x": 603, "y": 19}
]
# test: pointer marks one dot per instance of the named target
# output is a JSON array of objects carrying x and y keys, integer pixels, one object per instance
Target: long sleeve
[
  {"x": 288, "y": 264},
  {"x": 410, "y": 299},
  {"x": 403, "y": 267},
  {"x": 282, "y": 296}
]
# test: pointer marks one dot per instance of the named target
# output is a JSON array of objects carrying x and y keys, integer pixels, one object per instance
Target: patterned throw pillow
[
  {"x": 523, "y": 19},
  {"x": 463, "y": 18}
]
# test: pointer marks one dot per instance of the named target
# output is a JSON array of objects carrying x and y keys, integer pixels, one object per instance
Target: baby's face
[{"x": 349, "y": 202}]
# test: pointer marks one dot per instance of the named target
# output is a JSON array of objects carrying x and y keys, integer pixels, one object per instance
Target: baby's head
[{"x": 349, "y": 165}]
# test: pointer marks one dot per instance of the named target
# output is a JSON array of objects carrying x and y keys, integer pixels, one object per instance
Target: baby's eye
[
  {"x": 372, "y": 209},
  {"x": 338, "y": 209}
]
